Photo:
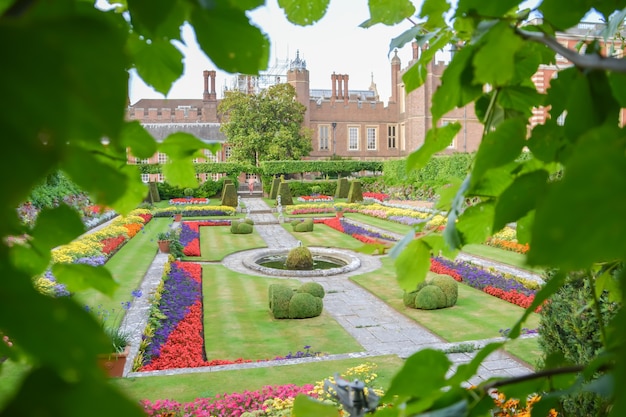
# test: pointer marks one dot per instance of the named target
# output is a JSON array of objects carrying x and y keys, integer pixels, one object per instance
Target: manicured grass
[
  {"x": 500, "y": 255},
  {"x": 238, "y": 323},
  {"x": 325, "y": 236},
  {"x": 476, "y": 315},
  {"x": 394, "y": 227},
  {"x": 526, "y": 349},
  {"x": 216, "y": 242},
  {"x": 128, "y": 267},
  {"x": 187, "y": 387}
]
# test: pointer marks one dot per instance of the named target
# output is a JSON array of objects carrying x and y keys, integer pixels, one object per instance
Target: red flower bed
[
  {"x": 334, "y": 222},
  {"x": 439, "y": 268},
  {"x": 112, "y": 244},
  {"x": 189, "y": 201},
  {"x": 193, "y": 269},
  {"x": 192, "y": 248},
  {"x": 195, "y": 225},
  {"x": 376, "y": 196},
  {"x": 146, "y": 217},
  {"x": 512, "y": 297}
]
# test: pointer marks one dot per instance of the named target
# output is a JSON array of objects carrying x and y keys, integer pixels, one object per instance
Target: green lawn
[
  {"x": 325, "y": 236},
  {"x": 500, "y": 255},
  {"x": 238, "y": 324},
  {"x": 216, "y": 242},
  {"x": 188, "y": 387},
  {"x": 476, "y": 315}
]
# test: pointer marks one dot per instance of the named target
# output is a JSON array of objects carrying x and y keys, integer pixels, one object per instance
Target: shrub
[
  {"x": 355, "y": 195},
  {"x": 304, "y": 226},
  {"x": 316, "y": 189},
  {"x": 229, "y": 196},
  {"x": 244, "y": 228},
  {"x": 294, "y": 223},
  {"x": 408, "y": 299},
  {"x": 313, "y": 288},
  {"x": 274, "y": 189},
  {"x": 299, "y": 258},
  {"x": 343, "y": 187},
  {"x": 234, "y": 227},
  {"x": 285, "y": 194},
  {"x": 188, "y": 192},
  {"x": 569, "y": 327},
  {"x": 448, "y": 285},
  {"x": 430, "y": 297},
  {"x": 249, "y": 221},
  {"x": 279, "y": 298},
  {"x": 304, "y": 305}
]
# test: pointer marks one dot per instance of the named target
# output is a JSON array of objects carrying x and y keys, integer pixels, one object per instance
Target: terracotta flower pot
[
  {"x": 339, "y": 214},
  {"x": 164, "y": 246},
  {"x": 178, "y": 217},
  {"x": 113, "y": 363}
]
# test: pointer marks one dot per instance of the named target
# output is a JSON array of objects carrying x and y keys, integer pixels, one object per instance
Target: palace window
[
  {"x": 145, "y": 178},
  {"x": 227, "y": 152},
  {"x": 391, "y": 136},
  {"x": 323, "y": 135},
  {"x": 162, "y": 158},
  {"x": 353, "y": 138},
  {"x": 371, "y": 138},
  {"x": 209, "y": 156}
]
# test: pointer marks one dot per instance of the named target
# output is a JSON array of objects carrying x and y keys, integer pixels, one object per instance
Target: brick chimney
[{"x": 346, "y": 94}]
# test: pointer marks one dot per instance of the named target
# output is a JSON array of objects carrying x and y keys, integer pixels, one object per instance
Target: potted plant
[
  {"x": 113, "y": 363},
  {"x": 164, "y": 239},
  {"x": 178, "y": 214}
]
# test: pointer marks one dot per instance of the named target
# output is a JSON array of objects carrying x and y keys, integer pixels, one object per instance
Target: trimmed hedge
[
  {"x": 299, "y": 258},
  {"x": 445, "y": 294},
  {"x": 241, "y": 227},
  {"x": 229, "y": 196},
  {"x": 279, "y": 297},
  {"x": 300, "y": 188},
  {"x": 304, "y": 305},
  {"x": 355, "y": 195},
  {"x": 274, "y": 189},
  {"x": 313, "y": 288},
  {"x": 343, "y": 188},
  {"x": 285, "y": 194},
  {"x": 302, "y": 225}
]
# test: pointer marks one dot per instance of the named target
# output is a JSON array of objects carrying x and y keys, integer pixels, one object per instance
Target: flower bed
[
  {"x": 190, "y": 234},
  {"x": 316, "y": 198},
  {"x": 192, "y": 210},
  {"x": 379, "y": 197},
  {"x": 185, "y": 201}
]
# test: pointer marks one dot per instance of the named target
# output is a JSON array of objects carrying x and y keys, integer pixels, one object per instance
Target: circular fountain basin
[{"x": 345, "y": 261}]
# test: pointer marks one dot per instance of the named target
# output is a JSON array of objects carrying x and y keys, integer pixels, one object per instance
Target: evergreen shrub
[
  {"x": 430, "y": 297},
  {"x": 313, "y": 288},
  {"x": 274, "y": 189},
  {"x": 448, "y": 285},
  {"x": 248, "y": 220},
  {"x": 279, "y": 298},
  {"x": 299, "y": 258},
  {"x": 229, "y": 196},
  {"x": 343, "y": 188},
  {"x": 285, "y": 194},
  {"x": 304, "y": 305},
  {"x": 408, "y": 299},
  {"x": 355, "y": 195}
]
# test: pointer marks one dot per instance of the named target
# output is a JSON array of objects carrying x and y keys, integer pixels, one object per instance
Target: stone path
[{"x": 377, "y": 327}]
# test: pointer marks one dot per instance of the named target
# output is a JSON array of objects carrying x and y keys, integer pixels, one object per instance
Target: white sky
[{"x": 336, "y": 43}]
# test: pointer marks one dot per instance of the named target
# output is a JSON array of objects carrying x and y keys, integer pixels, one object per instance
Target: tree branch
[
  {"x": 592, "y": 61},
  {"x": 536, "y": 375}
]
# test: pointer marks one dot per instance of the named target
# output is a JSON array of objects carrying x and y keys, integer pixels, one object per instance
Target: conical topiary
[
  {"x": 355, "y": 195},
  {"x": 229, "y": 197},
  {"x": 274, "y": 188},
  {"x": 285, "y": 194},
  {"x": 343, "y": 187}
]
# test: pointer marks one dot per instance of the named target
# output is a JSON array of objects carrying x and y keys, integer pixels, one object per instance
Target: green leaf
[
  {"x": 437, "y": 139},
  {"x": 564, "y": 17},
  {"x": 55, "y": 394},
  {"x": 520, "y": 98},
  {"x": 55, "y": 227},
  {"x": 158, "y": 63},
  {"x": 434, "y": 11},
  {"x": 485, "y": 8},
  {"x": 181, "y": 145},
  {"x": 150, "y": 15},
  {"x": 450, "y": 233},
  {"x": 140, "y": 142},
  {"x": 399, "y": 247},
  {"x": 79, "y": 277},
  {"x": 388, "y": 12},
  {"x": 413, "y": 264},
  {"x": 618, "y": 86},
  {"x": 474, "y": 224},
  {"x": 494, "y": 62},
  {"x": 415, "y": 78},
  {"x": 595, "y": 170},
  {"x": 607, "y": 282},
  {"x": 493, "y": 182},
  {"x": 405, "y": 37},
  {"x": 500, "y": 147},
  {"x": 423, "y": 373},
  {"x": 305, "y": 406},
  {"x": 519, "y": 198},
  {"x": 135, "y": 190},
  {"x": 29, "y": 260},
  {"x": 247, "y": 49},
  {"x": 304, "y": 12},
  {"x": 457, "y": 84},
  {"x": 446, "y": 194},
  {"x": 546, "y": 141},
  {"x": 524, "y": 226}
]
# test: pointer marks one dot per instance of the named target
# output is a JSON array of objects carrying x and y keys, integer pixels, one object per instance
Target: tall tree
[{"x": 265, "y": 126}]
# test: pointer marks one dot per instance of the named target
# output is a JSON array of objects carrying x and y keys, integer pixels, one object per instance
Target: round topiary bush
[
  {"x": 312, "y": 288},
  {"x": 294, "y": 223},
  {"x": 249, "y": 221},
  {"x": 448, "y": 285},
  {"x": 430, "y": 297},
  {"x": 280, "y": 296},
  {"x": 234, "y": 226},
  {"x": 299, "y": 258},
  {"x": 309, "y": 224},
  {"x": 302, "y": 227},
  {"x": 304, "y": 305},
  {"x": 408, "y": 299},
  {"x": 244, "y": 228}
]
